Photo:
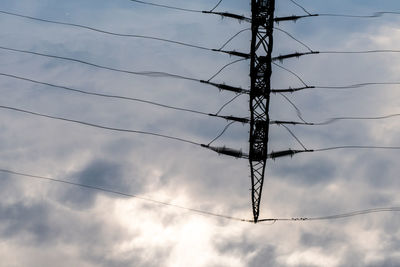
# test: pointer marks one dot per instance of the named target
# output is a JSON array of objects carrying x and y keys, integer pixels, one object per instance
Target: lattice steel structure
[{"x": 260, "y": 73}]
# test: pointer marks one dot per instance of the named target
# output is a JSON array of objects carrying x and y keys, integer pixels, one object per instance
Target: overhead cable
[
  {"x": 294, "y": 38},
  {"x": 102, "y": 189},
  {"x": 336, "y": 216},
  {"x": 104, "y": 95},
  {"x": 224, "y": 14},
  {"x": 300, "y": 6},
  {"x": 106, "y": 32},
  {"x": 332, "y": 120},
  {"x": 154, "y": 74},
  {"x": 338, "y": 87},
  {"x": 100, "y": 126},
  {"x": 295, "y": 18},
  {"x": 292, "y": 152}
]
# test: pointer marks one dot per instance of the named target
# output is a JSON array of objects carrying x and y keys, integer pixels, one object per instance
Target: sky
[{"x": 44, "y": 223}]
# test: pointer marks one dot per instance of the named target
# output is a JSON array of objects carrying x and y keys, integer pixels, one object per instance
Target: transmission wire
[
  {"x": 211, "y": 10},
  {"x": 288, "y": 70},
  {"x": 294, "y": 38},
  {"x": 104, "y": 95},
  {"x": 233, "y": 37},
  {"x": 100, "y": 126},
  {"x": 332, "y": 120},
  {"x": 91, "y": 187},
  {"x": 154, "y": 74},
  {"x": 225, "y": 66},
  {"x": 300, "y": 7},
  {"x": 222, "y": 132},
  {"x": 106, "y": 32},
  {"x": 167, "y": 6},
  {"x": 227, "y": 103},
  {"x": 336, "y": 216},
  {"x": 294, "y": 136}
]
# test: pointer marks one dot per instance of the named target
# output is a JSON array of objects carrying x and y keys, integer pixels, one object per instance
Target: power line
[
  {"x": 227, "y": 103},
  {"x": 91, "y": 187},
  {"x": 154, "y": 74},
  {"x": 332, "y": 120},
  {"x": 169, "y": 7},
  {"x": 336, "y": 216},
  {"x": 297, "y": 4},
  {"x": 291, "y": 152},
  {"x": 288, "y": 70},
  {"x": 222, "y": 132},
  {"x": 104, "y": 95},
  {"x": 343, "y": 87},
  {"x": 106, "y": 32},
  {"x": 294, "y": 38},
  {"x": 224, "y": 14},
  {"x": 294, "y": 136},
  {"x": 219, "y": 2},
  {"x": 360, "y": 52},
  {"x": 233, "y": 37},
  {"x": 357, "y": 147},
  {"x": 374, "y": 15},
  {"x": 295, "y": 18},
  {"x": 225, "y": 66},
  {"x": 101, "y": 126}
]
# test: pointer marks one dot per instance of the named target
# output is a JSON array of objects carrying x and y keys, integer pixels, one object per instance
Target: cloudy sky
[{"x": 46, "y": 223}]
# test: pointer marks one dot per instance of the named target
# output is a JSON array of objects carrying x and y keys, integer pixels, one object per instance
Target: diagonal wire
[
  {"x": 211, "y": 10},
  {"x": 100, "y": 126},
  {"x": 294, "y": 136},
  {"x": 288, "y": 70},
  {"x": 297, "y": 4},
  {"x": 154, "y": 74},
  {"x": 222, "y": 132},
  {"x": 104, "y": 31},
  {"x": 298, "y": 111},
  {"x": 91, "y": 187},
  {"x": 104, "y": 95},
  {"x": 294, "y": 38},
  {"x": 224, "y": 67},
  {"x": 227, "y": 103},
  {"x": 167, "y": 6},
  {"x": 233, "y": 37}
]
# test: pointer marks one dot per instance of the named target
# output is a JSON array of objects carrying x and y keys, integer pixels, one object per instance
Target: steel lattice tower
[{"x": 260, "y": 74}]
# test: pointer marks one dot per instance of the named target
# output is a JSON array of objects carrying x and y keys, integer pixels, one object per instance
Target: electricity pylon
[{"x": 260, "y": 88}]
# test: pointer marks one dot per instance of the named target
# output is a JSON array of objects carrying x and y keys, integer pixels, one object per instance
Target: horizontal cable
[
  {"x": 332, "y": 120},
  {"x": 357, "y": 147},
  {"x": 224, "y": 14},
  {"x": 167, "y": 6},
  {"x": 100, "y": 126},
  {"x": 361, "y": 52},
  {"x": 106, "y": 32},
  {"x": 154, "y": 74},
  {"x": 336, "y": 216},
  {"x": 292, "y": 152},
  {"x": 103, "y": 95},
  {"x": 343, "y": 87},
  {"x": 374, "y": 15},
  {"x": 309, "y": 15},
  {"x": 91, "y": 187}
]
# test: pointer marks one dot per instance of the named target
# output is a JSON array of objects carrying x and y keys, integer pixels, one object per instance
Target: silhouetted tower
[{"x": 260, "y": 73}]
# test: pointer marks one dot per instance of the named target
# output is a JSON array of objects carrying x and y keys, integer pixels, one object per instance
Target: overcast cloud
[{"x": 50, "y": 224}]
